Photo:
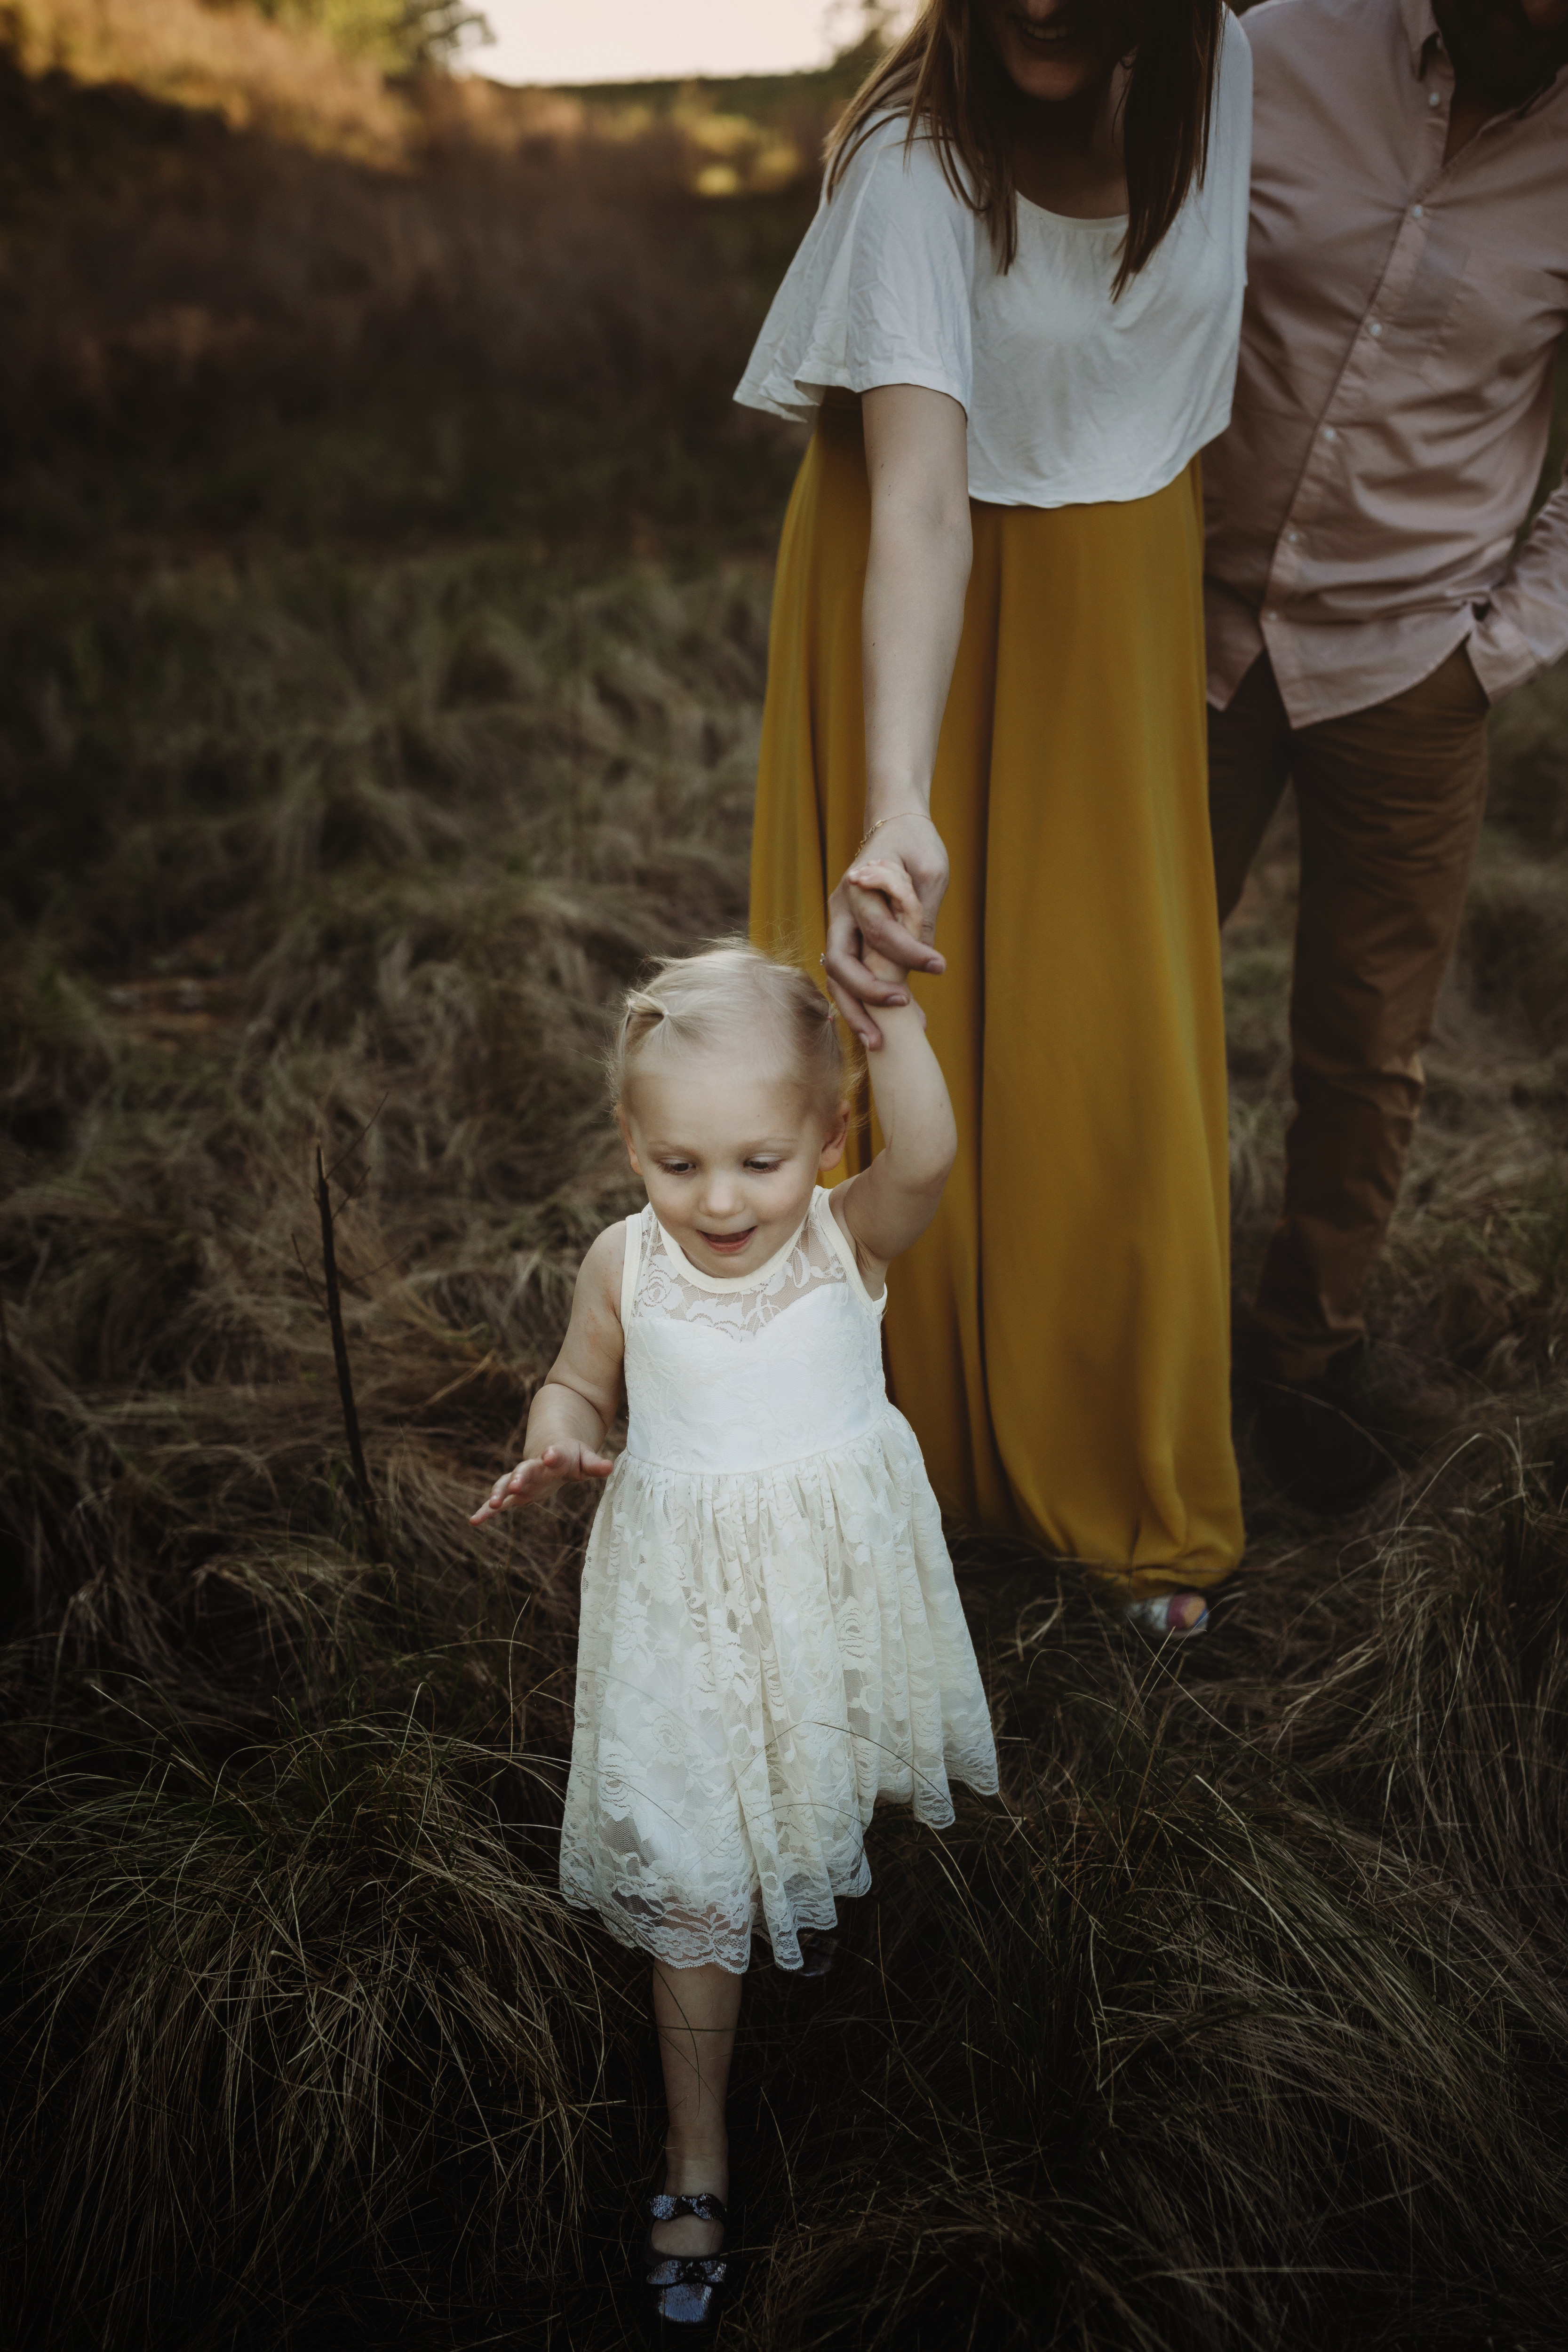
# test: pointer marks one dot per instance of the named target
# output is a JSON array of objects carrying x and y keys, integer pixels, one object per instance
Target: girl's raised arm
[
  {"x": 577, "y": 1400},
  {"x": 886, "y": 1209}
]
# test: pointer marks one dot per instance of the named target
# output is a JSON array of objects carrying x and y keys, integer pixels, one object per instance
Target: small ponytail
[{"x": 730, "y": 992}]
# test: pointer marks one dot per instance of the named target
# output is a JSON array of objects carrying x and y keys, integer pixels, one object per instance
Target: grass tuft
[{"x": 313, "y": 2004}]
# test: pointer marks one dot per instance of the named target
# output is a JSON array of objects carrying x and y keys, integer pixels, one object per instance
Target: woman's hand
[
  {"x": 886, "y": 905},
  {"x": 534, "y": 1479}
]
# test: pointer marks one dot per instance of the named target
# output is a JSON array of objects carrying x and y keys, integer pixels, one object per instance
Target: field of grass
[{"x": 382, "y": 643}]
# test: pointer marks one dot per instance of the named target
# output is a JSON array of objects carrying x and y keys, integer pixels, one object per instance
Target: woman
[{"x": 1015, "y": 323}]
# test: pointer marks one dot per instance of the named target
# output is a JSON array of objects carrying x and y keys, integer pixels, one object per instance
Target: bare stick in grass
[
  {"x": 16, "y": 1396},
  {"x": 341, "y": 1354}
]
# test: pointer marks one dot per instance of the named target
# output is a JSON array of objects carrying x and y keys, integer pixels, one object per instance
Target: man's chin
[
  {"x": 1496, "y": 60},
  {"x": 1511, "y": 82},
  {"x": 1510, "y": 97}
]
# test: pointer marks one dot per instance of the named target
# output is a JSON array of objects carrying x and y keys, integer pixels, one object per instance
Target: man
[{"x": 1366, "y": 601}]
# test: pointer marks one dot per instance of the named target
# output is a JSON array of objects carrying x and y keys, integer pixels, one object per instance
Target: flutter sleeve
[{"x": 880, "y": 290}]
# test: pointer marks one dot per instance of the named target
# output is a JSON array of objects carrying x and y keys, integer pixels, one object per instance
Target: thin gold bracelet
[{"x": 888, "y": 819}]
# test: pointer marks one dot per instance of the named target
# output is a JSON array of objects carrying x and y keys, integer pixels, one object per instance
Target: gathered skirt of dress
[
  {"x": 762, "y": 1655},
  {"x": 1060, "y": 1338}
]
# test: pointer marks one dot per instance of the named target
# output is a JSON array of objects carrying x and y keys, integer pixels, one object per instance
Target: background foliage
[
  {"x": 398, "y": 35},
  {"x": 382, "y": 633}
]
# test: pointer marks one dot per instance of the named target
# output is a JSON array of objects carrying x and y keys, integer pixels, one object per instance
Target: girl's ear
[
  {"x": 833, "y": 1142},
  {"x": 621, "y": 1122}
]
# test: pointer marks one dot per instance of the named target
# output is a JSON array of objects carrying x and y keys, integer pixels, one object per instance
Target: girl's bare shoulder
[{"x": 604, "y": 1261}]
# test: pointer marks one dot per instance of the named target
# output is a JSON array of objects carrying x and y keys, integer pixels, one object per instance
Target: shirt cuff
[{"x": 1500, "y": 657}]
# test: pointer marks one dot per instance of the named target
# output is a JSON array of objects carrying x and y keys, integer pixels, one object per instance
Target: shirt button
[
  {"x": 1329, "y": 433},
  {"x": 1376, "y": 328},
  {"x": 1292, "y": 536},
  {"x": 1270, "y": 615},
  {"x": 1435, "y": 98},
  {"x": 1417, "y": 212}
]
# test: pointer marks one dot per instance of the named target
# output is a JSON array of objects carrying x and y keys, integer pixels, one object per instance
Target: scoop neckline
[
  {"x": 1074, "y": 220},
  {"x": 723, "y": 1282}
]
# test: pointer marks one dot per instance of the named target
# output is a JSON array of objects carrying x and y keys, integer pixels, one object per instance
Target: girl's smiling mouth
[{"x": 728, "y": 1245}]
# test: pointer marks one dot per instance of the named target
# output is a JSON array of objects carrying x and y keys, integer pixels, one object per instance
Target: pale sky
[{"x": 650, "y": 40}]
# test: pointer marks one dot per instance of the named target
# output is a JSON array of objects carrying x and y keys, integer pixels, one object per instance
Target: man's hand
[
  {"x": 533, "y": 1480},
  {"x": 886, "y": 905}
]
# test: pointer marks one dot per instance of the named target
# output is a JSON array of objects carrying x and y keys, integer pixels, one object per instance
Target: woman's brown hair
[{"x": 946, "y": 77}]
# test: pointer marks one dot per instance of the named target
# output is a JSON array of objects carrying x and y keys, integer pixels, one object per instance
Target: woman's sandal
[
  {"x": 684, "y": 2291},
  {"x": 1153, "y": 1617}
]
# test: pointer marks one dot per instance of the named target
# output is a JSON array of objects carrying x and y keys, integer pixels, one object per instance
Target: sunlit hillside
[
  {"x": 384, "y": 604},
  {"x": 293, "y": 79},
  {"x": 452, "y": 308}
]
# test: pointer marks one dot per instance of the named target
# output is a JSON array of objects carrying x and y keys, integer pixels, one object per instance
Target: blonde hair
[{"x": 729, "y": 992}]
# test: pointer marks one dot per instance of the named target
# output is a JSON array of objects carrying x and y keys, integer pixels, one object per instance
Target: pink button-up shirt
[{"x": 1394, "y": 392}]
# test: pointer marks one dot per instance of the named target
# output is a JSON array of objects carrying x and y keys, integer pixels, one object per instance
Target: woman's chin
[{"x": 1052, "y": 81}]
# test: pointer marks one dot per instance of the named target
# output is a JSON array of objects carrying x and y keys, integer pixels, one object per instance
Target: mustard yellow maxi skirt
[{"x": 1060, "y": 1337}]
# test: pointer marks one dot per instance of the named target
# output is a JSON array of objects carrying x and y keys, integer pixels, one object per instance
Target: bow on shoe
[{"x": 684, "y": 2289}]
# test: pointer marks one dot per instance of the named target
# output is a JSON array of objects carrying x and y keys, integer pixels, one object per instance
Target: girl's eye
[
  {"x": 763, "y": 1167},
  {"x": 676, "y": 1167}
]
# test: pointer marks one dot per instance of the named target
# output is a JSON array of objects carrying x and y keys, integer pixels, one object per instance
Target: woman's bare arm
[{"x": 911, "y": 618}]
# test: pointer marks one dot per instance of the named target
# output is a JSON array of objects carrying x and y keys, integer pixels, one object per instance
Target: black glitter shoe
[{"x": 683, "y": 2292}]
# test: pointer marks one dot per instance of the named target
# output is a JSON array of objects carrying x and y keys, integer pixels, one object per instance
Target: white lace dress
[{"x": 771, "y": 1633}]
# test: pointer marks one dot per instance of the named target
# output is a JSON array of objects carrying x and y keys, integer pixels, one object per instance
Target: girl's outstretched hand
[{"x": 540, "y": 1476}]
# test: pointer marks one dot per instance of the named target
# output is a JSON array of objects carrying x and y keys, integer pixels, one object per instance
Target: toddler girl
[{"x": 770, "y": 1636}]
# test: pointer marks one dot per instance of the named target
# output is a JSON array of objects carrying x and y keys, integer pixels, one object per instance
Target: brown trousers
[{"x": 1390, "y": 803}]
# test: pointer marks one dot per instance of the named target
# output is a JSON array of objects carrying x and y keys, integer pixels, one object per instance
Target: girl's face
[
  {"x": 1052, "y": 49},
  {"x": 728, "y": 1156}
]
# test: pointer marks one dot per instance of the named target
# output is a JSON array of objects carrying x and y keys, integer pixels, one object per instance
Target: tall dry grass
[
  {"x": 1239, "y": 2023},
  {"x": 425, "y": 821}
]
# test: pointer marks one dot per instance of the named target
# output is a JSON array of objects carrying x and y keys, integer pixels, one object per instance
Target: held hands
[
  {"x": 882, "y": 920},
  {"x": 539, "y": 1476}
]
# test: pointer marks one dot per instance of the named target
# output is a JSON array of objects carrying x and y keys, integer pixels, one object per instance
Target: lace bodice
[{"x": 746, "y": 1372}]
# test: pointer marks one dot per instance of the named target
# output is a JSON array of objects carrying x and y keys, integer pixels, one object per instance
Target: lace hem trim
[{"x": 692, "y": 1941}]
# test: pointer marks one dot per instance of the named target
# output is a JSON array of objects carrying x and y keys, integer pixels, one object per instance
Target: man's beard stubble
[{"x": 1495, "y": 52}]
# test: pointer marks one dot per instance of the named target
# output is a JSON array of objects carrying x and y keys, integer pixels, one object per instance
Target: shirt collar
[{"x": 1420, "y": 28}]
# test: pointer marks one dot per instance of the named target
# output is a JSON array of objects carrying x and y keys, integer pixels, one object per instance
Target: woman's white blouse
[{"x": 1071, "y": 398}]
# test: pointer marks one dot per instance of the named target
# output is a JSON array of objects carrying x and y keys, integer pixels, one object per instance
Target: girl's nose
[{"x": 721, "y": 1197}]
